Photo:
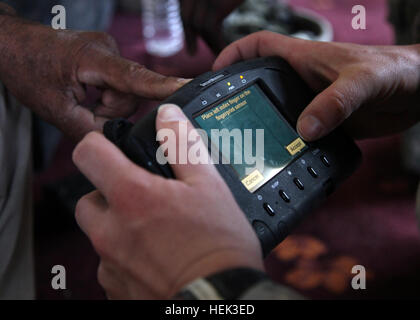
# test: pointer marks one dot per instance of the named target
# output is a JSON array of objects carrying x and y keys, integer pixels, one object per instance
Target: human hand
[
  {"x": 49, "y": 71},
  {"x": 374, "y": 90},
  {"x": 205, "y": 18},
  {"x": 154, "y": 235}
]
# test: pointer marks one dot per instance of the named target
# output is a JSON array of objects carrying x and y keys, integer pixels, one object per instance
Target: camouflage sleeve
[
  {"x": 237, "y": 284},
  {"x": 268, "y": 290}
]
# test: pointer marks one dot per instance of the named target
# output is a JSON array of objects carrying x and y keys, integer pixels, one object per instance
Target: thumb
[
  {"x": 331, "y": 108},
  {"x": 185, "y": 150}
]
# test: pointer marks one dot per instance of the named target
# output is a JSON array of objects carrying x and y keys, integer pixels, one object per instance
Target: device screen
[{"x": 259, "y": 124}]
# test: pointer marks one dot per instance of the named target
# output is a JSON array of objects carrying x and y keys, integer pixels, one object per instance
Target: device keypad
[
  {"x": 299, "y": 183},
  {"x": 284, "y": 196},
  {"x": 325, "y": 161},
  {"x": 269, "y": 209},
  {"x": 312, "y": 172},
  {"x": 307, "y": 164}
]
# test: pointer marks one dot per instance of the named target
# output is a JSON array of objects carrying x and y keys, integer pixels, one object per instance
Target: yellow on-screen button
[
  {"x": 253, "y": 180},
  {"x": 296, "y": 146}
]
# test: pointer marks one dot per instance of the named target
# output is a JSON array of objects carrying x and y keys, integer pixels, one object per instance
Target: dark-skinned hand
[{"x": 49, "y": 72}]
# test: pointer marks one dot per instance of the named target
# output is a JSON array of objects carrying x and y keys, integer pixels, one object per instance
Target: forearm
[
  {"x": 25, "y": 54},
  {"x": 15, "y": 40},
  {"x": 8, "y": 21}
]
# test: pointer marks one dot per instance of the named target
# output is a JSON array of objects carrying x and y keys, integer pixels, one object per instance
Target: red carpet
[{"x": 369, "y": 221}]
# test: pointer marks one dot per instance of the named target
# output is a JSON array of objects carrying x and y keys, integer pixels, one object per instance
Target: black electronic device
[{"x": 266, "y": 94}]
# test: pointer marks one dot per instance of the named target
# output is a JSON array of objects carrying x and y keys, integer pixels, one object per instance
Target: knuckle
[
  {"x": 91, "y": 43},
  {"x": 368, "y": 72},
  {"x": 341, "y": 104},
  {"x": 117, "y": 196},
  {"x": 129, "y": 187},
  {"x": 262, "y": 38},
  {"x": 100, "y": 241},
  {"x": 80, "y": 208},
  {"x": 109, "y": 39},
  {"x": 263, "y": 33},
  {"x": 106, "y": 39},
  {"x": 135, "y": 70},
  {"x": 137, "y": 73},
  {"x": 84, "y": 205},
  {"x": 77, "y": 154},
  {"x": 84, "y": 146},
  {"x": 102, "y": 276}
]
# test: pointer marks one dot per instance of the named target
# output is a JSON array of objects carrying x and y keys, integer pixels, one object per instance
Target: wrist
[
  {"x": 232, "y": 284},
  {"x": 219, "y": 262}
]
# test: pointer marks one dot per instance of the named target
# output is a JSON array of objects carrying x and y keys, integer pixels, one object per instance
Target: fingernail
[
  {"x": 170, "y": 113},
  {"x": 184, "y": 81},
  {"x": 310, "y": 128}
]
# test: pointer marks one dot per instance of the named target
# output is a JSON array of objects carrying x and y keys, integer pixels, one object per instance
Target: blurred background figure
[
  {"x": 276, "y": 16},
  {"x": 405, "y": 16}
]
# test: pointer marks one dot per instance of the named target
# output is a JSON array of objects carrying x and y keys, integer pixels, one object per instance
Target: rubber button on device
[
  {"x": 284, "y": 196},
  {"x": 312, "y": 172},
  {"x": 299, "y": 184},
  {"x": 269, "y": 209},
  {"x": 325, "y": 161}
]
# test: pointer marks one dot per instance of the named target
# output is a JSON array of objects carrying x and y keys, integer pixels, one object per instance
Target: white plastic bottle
[{"x": 162, "y": 27}]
